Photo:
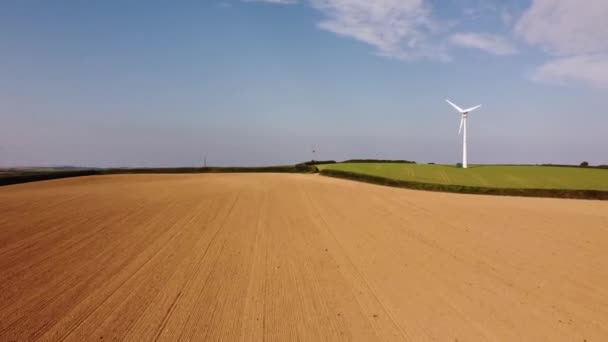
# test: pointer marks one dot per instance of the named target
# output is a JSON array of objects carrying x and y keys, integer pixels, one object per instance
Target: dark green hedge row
[
  {"x": 554, "y": 193},
  {"x": 318, "y": 162},
  {"x": 299, "y": 168},
  {"x": 581, "y": 166},
  {"x": 25, "y": 177},
  {"x": 378, "y": 161}
]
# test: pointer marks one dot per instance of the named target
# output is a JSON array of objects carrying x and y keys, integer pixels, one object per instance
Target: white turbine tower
[{"x": 463, "y": 123}]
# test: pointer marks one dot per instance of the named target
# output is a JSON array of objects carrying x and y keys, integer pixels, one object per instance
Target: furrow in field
[{"x": 295, "y": 257}]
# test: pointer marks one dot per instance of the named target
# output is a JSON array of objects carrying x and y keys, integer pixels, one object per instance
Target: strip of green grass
[
  {"x": 462, "y": 189},
  {"x": 483, "y": 176}
]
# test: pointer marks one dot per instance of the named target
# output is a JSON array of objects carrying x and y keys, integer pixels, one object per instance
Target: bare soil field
[{"x": 284, "y": 257}]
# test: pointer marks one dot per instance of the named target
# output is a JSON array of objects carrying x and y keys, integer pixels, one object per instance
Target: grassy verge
[
  {"x": 463, "y": 189},
  {"x": 485, "y": 176}
]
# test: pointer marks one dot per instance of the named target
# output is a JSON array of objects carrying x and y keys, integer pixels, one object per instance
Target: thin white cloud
[
  {"x": 476, "y": 9},
  {"x": 566, "y": 27},
  {"x": 396, "y": 28},
  {"x": 575, "y": 33},
  {"x": 401, "y": 29},
  {"x": 592, "y": 70},
  {"x": 494, "y": 44}
]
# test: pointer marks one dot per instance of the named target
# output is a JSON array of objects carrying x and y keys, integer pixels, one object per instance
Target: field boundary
[
  {"x": 27, "y": 177},
  {"x": 464, "y": 189}
]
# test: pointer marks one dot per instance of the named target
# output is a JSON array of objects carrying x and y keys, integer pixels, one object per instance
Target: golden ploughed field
[{"x": 285, "y": 257}]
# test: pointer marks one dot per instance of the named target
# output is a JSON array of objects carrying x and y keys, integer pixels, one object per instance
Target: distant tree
[{"x": 584, "y": 164}]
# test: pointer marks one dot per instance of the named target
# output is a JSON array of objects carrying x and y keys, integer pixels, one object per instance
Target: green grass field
[{"x": 492, "y": 176}]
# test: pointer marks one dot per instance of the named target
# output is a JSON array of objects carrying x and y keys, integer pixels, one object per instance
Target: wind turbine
[{"x": 463, "y": 123}]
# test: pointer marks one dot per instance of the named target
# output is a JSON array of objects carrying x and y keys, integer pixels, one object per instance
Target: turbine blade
[
  {"x": 461, "y": 122},
  {"x": 455, "y": 106},
  {"x": 471, "y": 109}
]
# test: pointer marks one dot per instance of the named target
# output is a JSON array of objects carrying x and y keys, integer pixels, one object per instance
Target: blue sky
[{"x": 157, "y": 83}]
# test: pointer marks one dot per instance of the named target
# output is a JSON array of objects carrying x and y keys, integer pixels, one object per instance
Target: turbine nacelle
[{"x": 463, "y": 113}]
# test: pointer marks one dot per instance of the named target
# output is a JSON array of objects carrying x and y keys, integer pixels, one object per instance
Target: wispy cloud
[
  {"x": 477, "y": 9},
  {"x": 396, "y": 28},
  {"x": 574, "y": 33},
  {"x": 589, "y": 69},
  {"x": 402, "y": 29},
  {"x": 491, "y": 43}
]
